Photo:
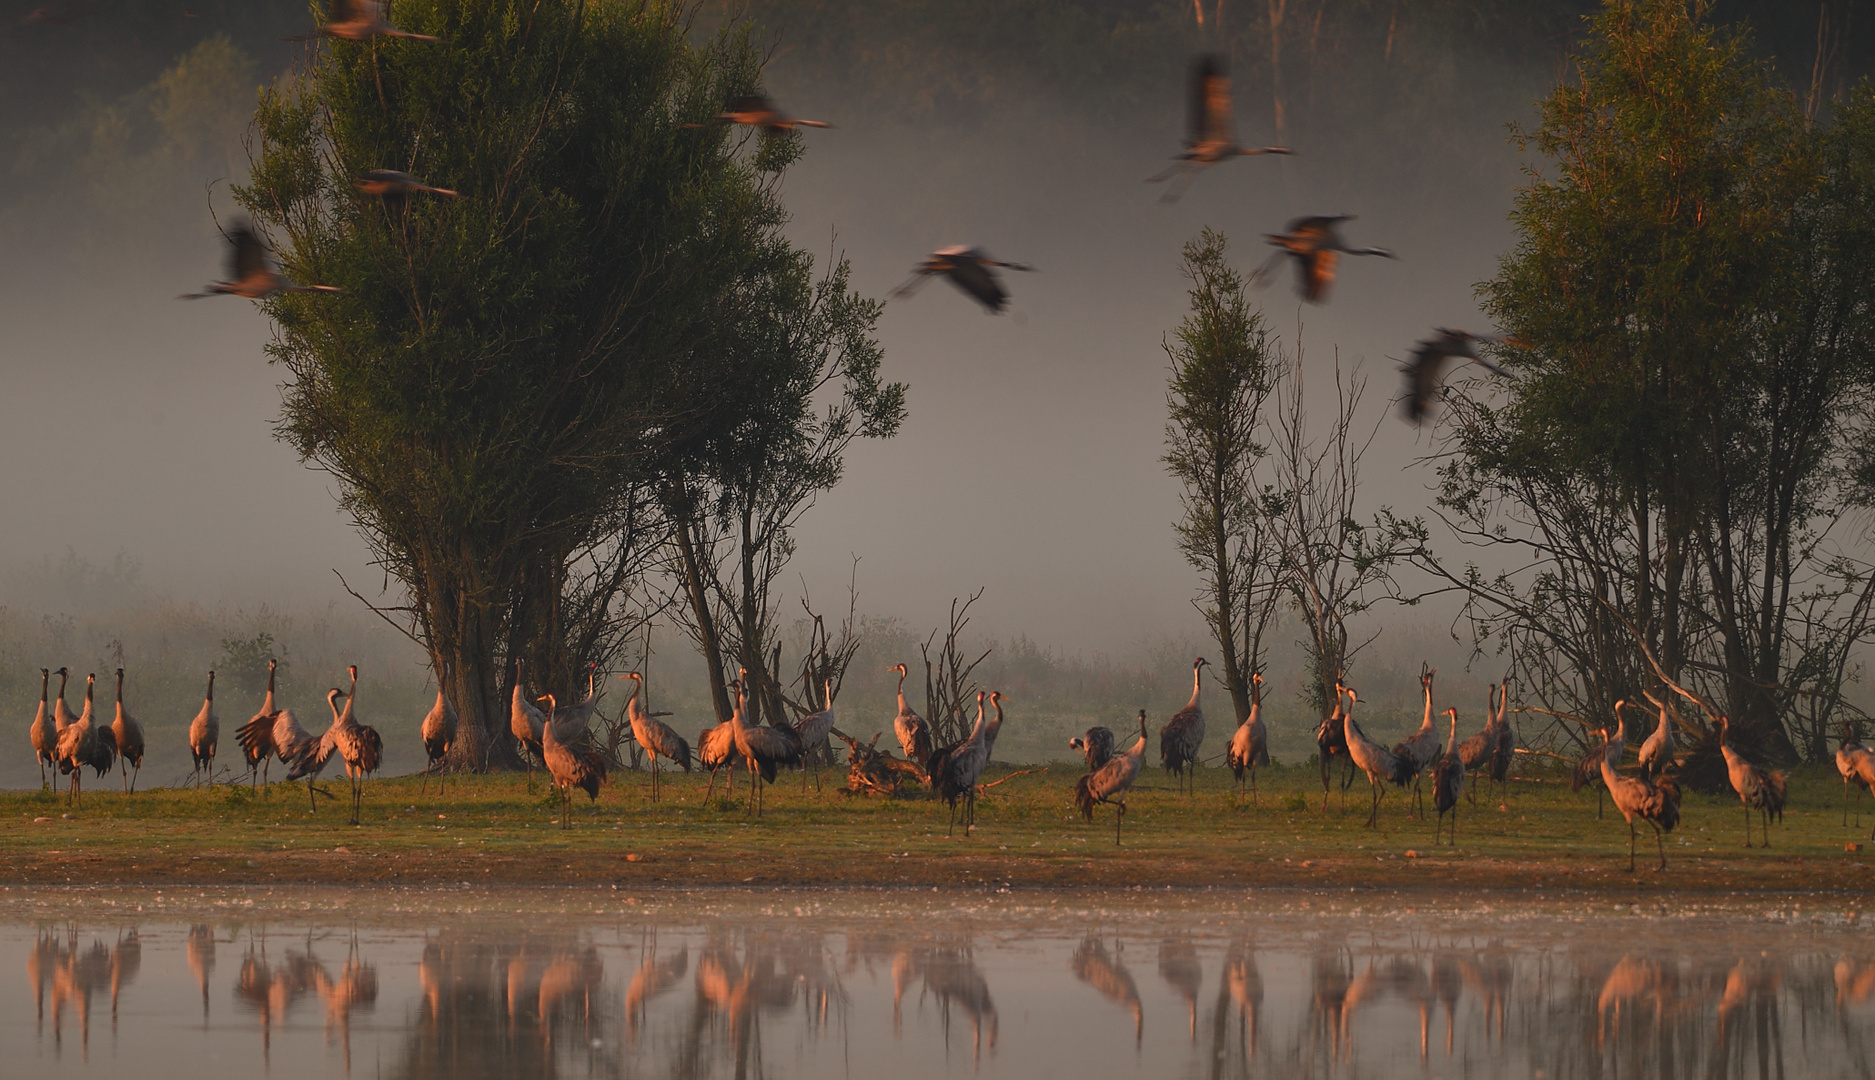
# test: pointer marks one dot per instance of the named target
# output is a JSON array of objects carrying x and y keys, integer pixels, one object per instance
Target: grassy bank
[{"x": 501, "y": 829}]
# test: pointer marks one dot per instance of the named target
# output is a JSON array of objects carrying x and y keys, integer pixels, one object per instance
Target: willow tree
[{"x": 494, "y": 388}]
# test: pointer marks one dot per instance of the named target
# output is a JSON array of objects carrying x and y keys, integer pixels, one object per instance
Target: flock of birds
[
  {"x": 561, "y": 739},
  {"x": 1314, "y": 244}
]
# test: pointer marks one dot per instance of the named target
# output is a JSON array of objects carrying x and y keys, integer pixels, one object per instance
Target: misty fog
[{"x": 140, "y": 432}]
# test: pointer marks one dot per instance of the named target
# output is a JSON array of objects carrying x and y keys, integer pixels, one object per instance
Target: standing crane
[
  {"x": 1329, "y": 742},
  {"x": 1212, "y": 138},
  {"x": 914, "y": 735},
  {"x": 1316, "y": 245},
  {"x": 1250, "y": 743},
  {"x": 1657, "y": 751},
  {"x": 127, "y": 732},
  {"x": 1421, "y": 748},
  {"x": 955, "y": 771},
  {"x": 357, "y": 745},
  {"x": 970, "y": 269},
  {"x": 438, "y": 732},
  {"x": 1448, "y": 780},
  {"x": 1425, "y": 371},
  {"x": 45, "y": 738},
  {"x": 1656, "y": 804},
  {"x": 62, "y": 717},
  {"x": 1479, "y": 750},
  {"x": 359, "y": 20},
  {"x": 1380, "y": 764},
  {"x": 1505, "y": 751},
  {"x": 205, "y": 734},
  {"x": 762, "y": 747},
  {"x": 1854, "y": 761},
  {"x": 524, "y": 720},
  {"x": 311, "y": 755},
  {"x": 270, "y": 732},
  {"x": 1757, "y": 788},
  {"x": 575, "y": 720},
  {"x": 1097, "y": 746},
  {"x": 1589, "y": 769},
  {"x": 716, "y": 747},
  {"x": 84, "y": 743},
  {"x": 995, "y": 726},
  {"x": 570, "y": 767},
  {"x": 251, "y": 273},
  {"x": 1111, "y": 782},
  {"x": 656, "y": 737},
  {"x": 1183, "y": 735},
  {"x": 813, "y": 730}
]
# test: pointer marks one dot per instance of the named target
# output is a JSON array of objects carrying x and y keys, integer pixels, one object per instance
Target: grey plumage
[
  {"x": 1112, "y": 781},
  {"x": 1448, "y": 781},
  {"x": 1425, "y": 370},
  {"x": 1182, "y": 736},
  {"x": 1656, "y": 804},
  {"x": 1096, "y": 745},
  {"x": 658, "y": 739},
  {"x": 968, "y": 268},
  {"x": 1381, "y": 765},
  {"x": 1758, "y": 789}
]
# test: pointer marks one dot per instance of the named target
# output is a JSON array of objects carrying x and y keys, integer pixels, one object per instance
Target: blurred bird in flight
[
  {"x": 250, "y": 274},
  {"x": 359, "y": 20},
  {"x": 968, "y": 268},
  {"x": 1212, "y": 136},
  {"x": 1315, "y": 244},
  {"x": 1425, "y": 371}
]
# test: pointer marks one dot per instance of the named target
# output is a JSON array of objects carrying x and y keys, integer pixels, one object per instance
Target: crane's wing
[
  {"x": 1423, "y": 373},
  {"x": 249, "y": 256},
  {"x": 344, "y": 11},
  {"x": 1318, "y": 273},
  {"x": 918, "y": 278},
  {"x": 980, "y": 282},
  {"x": 1210, "y": 100}
]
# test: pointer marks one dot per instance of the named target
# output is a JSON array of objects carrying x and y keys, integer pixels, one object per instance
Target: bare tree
[{"x": 947, "y": 681}]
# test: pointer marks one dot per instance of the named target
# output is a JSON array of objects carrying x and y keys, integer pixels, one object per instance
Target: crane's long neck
[
  {"x": 45, "y": 681},
  {"x": 1425, "y": 724},
  {"x": 902, "y": 710},
  {"x": 63, "y": 676},
  {"x": 267, "y": 705},
  {"x": 209, "y": 695},
  {"x": 827, "y": 696},
  {"x": 1196, "y": 672},
  {"x": 1451, "y": 741},
  {"x": 332, "y": 702},
  {"x": 120, "y": 686}
]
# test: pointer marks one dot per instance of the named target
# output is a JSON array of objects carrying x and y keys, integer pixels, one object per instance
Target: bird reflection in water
[
  {"x": 654, "y": 976},
  {"x": 1239, "y": 998},
  {"x": 201, "y": 954},
  {"x": 1102, "y": 970},
  {"x": 1178, "y": 966},
  {"x": 949, "y": 973},
  {"x": 65, "y": 974}
]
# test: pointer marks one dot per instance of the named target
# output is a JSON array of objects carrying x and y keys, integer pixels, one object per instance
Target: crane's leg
[
  {"x": 1118, "y": 820},
  {"x": 133, "y": 777},
  {"x": 712, "y": 788},
  {"x": 1764, "y": 814},
  {"x": 1630, "y": 847},
  {"x": 1660, "y": 842},
  {"x": 1747, "y": 807},
  {"x": 1845, "y": 803}
]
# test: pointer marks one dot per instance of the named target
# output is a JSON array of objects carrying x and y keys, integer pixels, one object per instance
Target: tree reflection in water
[{"x": 762, "y": 996}]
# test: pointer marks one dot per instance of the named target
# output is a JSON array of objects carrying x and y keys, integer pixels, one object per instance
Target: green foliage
[
  {"x": 1692, "y": 279},
  {"x": 498, "y": 383},
  {"x": 243, "y": 664},
  {"x": 1221, "y": 377}
]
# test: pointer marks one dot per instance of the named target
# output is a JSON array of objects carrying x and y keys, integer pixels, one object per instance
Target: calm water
[{"x": 829, "y": 984}]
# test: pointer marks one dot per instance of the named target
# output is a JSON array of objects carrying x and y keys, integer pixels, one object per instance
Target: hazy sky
[{"x": 1030, "y": 460}]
